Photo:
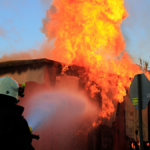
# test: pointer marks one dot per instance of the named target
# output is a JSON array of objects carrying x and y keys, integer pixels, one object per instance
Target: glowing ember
[
  {"x": 133, "y": 146},
  {"x": 88, "y": 34},
  {"x": 94, "y": 124},
  {"x": 138, "y": 142}
]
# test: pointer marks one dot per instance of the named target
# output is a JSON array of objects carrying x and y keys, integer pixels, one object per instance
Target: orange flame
[
  {"x": 94, "y": 124},
  {"x": 133, "y": 146},
  {"x": 88, "y": 34}
]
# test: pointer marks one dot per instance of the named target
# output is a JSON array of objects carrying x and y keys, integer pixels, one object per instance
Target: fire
[
  {"x": 133, "y": 146},
  {"x": 88, "y": 34},
  {"x": 94, "y": 124}
]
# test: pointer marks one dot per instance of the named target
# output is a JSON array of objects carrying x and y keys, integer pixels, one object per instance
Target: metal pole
[{"x": 140, "y": 110}]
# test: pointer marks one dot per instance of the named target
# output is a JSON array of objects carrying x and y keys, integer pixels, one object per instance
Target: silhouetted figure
[{"x": 14, "y": 130}]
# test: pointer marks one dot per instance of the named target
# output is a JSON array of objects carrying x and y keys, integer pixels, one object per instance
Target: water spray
[{"x": 63, "y": 107}]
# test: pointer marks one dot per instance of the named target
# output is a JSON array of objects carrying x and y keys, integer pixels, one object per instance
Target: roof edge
[{"x": 25, "y": 62}]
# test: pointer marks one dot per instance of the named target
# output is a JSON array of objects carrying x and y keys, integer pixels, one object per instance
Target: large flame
[{"x": 88, "y": 34}]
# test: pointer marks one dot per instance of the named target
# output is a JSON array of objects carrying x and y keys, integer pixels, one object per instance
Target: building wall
[
  {"x": 46, "y": 75},
  {"x": 36, "y": 75},
  {"x": 50, "y": 133},
  {"x": 40, "y": 70}
]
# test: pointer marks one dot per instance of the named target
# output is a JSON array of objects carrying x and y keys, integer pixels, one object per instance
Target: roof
[
  {"x": 23, "y": 65},
  {"x": 36, "y": 69},
  {"x": 25, "y": 62},
  {"x": 19, "y": 66}
]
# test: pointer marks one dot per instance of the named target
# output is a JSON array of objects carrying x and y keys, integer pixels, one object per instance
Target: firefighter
[{"x": 14, "y": 130}]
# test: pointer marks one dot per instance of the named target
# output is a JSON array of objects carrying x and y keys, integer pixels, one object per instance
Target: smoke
[
  {"x": 44, "y": 48},
  {"x": 46, "y": 4},
  {"x": 51, "y": 31},
  {"x": 3, "y": 32},
  {"x": 68, "y": 108},
  {"x": 44, "y": 51}
]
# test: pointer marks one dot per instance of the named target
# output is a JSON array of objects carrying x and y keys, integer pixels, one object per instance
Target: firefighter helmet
[{"x": 9, "y": 87}]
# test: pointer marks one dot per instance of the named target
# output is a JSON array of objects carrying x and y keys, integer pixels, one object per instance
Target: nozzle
[{"x": 35, "y": 136}]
